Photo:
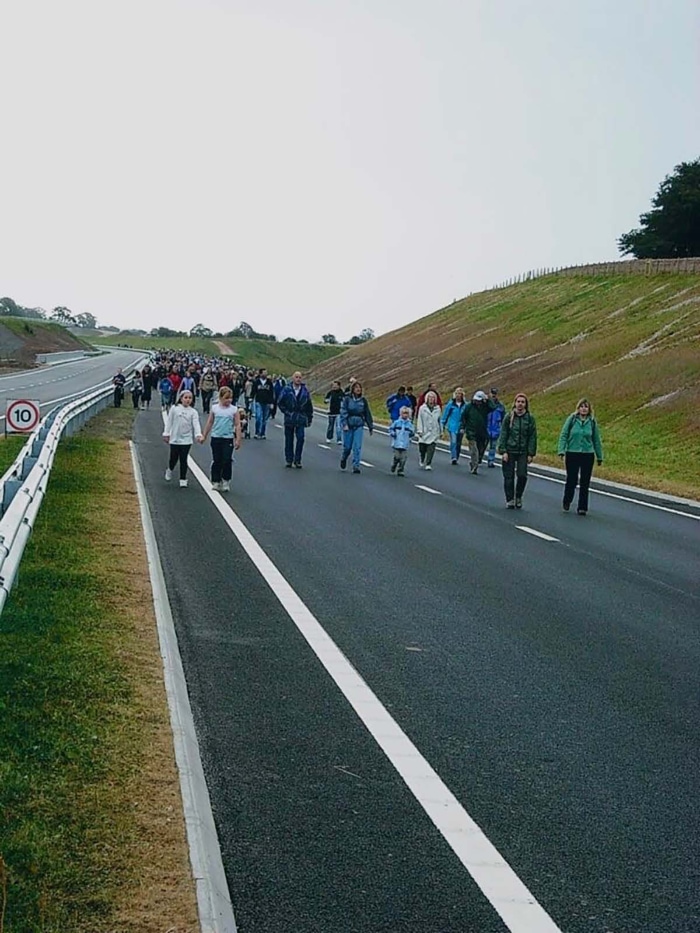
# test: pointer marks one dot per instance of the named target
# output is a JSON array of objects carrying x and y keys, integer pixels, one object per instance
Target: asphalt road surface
[
  {"x": 50, "y": 384},
  {"x": 552, "y": 683}
]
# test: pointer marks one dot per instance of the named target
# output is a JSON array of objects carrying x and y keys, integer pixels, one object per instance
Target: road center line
[
  {"x": 433, "y": 492},
  {"x": 364, "y": 463},
  {"x": 536, "y": 533},
  {"x": 507, "y": 894},
  {"x": 324, "y": 446}
]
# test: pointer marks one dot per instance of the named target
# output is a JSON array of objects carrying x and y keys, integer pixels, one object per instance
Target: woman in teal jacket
[{"x": 580, "y": 446}]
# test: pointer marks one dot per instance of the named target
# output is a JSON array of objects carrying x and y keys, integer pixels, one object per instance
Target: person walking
[
  {"x": 428, "y": 429},
  {"x": 396, "y": 402},
  {"x": 119, "y": 381},
  {"x": 579, "y": 445},
  {"x": 187, "y": 384},
  {"x": 207, "y": 387},
  {"x": 263, "y": 394},
  {"x": 224, "y": 425},
  {"x": 182, "y": 429},
  {"x": 165, "y": 387},
  {"x": 334, "y": 400},
  {"x": 517, "y": 445},
  {"x": 401, "y": 431},
  {"x": 136, "y": 389},
  {"x": 354, "y": 415},
  {"x": 146, "y": 395},
  {"x": 493, "y": 427},
  {"x": 474, "y": 419},
  {"x": 298, "y": 410},
  {"x": 452, "y": 420}
]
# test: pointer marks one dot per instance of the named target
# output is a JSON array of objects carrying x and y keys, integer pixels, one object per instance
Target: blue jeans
[
  {"x": 262, "y": 413},
  {"x": 455, "y": 444},
  {"x": 352, "y": 440},
  {"x": 294, "y": 432},
  {"x": 491, "y": 456},
  {"x": 334, "y": 426}
]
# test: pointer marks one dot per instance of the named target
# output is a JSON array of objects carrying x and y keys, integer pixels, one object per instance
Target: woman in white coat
[
  {"x": 428, "y": 429},
  {"x": 182, "y": 429}
]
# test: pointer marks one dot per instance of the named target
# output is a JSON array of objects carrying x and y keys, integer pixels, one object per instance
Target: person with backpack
[
  {"x": 517, "y": 445},
  {"x": 474, "y": 420},
  {"x": 580, "y": 446},
  {"x": 298, "y": 410},
  {"x": 493, "y": 427},
  {"x": 452, "y": 420},
  {"x": 354, "y": 415}
]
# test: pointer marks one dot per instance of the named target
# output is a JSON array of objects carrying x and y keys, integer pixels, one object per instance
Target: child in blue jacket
[{"x": 401, "y": 432}]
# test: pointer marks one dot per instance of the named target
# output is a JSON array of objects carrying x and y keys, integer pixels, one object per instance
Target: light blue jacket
[
  {"x": 401, "y": 432},
  {"x": 452, "y": 416}
]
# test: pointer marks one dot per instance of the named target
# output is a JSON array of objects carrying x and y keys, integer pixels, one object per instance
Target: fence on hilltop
[{"x": 621, "y": 267}]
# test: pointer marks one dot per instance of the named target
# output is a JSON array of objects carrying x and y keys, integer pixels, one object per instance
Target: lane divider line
[
  {"x": 536, "y": 533},
  {"x": 433, "y": 492},
  {"x": 324, "y": 446},
  {"x": 364, "y": 463},
  {"x": 508, "y": 895},
  {"x": 213, "y": 898}
]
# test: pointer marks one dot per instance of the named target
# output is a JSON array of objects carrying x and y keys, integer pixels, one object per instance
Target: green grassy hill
[
  {"x": 279, "y": 357},
  {"x": 21, "y": 339},
  {"x": 631, "y": 343}
]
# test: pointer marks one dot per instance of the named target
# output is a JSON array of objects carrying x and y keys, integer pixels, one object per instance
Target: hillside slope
[
  {"x": 629, "y": 342},
  {"x": 22, "y": 339},
  {"x": 279, "y": 357}
]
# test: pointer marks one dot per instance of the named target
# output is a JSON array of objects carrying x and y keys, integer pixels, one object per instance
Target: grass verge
[{"x": 91, "y": 830}]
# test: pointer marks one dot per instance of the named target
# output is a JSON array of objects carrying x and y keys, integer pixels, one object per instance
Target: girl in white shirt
[{"x": 182, "y": 429}]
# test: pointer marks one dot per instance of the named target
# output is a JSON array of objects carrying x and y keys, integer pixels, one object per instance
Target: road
[
  {"x": 552, "y": 685},
  {"x": 50, "y": 384}
]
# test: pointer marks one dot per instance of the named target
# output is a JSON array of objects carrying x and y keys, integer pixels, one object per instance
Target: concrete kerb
[{"x": 213, "y": 898}]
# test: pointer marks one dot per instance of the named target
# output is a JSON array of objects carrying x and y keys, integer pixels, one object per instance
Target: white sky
[{"x": 315, "y": 166}]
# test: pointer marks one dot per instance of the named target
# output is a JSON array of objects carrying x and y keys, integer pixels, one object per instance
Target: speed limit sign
[{"x": 21, "y": 416}]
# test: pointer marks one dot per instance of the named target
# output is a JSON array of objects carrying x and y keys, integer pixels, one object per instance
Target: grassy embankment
[
  {"x": 91, "y": 832},
  {"x": 630, "y": 343},
  {"x": 277, "y": 357}
]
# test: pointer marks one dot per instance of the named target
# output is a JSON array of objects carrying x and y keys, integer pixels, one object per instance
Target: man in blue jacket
[
  {"x": 396, "y": 402},
  {"x": 298, "y": 410},
  {"x": 493, "y": 426}
]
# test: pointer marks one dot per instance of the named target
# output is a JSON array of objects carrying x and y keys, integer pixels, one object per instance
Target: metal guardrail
[{"x": 23, "y": 486}]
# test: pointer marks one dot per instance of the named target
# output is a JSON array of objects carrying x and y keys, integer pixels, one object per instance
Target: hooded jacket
[
  {"x": 296, "y": 407},
  {"x": 474, "y": 419},
  {"x": 354, "y": 412},
  {"x": 518, "y": 434}
]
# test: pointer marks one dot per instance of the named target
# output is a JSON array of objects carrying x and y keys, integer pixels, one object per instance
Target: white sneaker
[
  {"x": 428, "y": 467},
  {"x": 225, "y": 486},
  {"x": 216, "y": 487},
  {"x": 168, "y": 474},
  {"x": 183, "y": 484}
]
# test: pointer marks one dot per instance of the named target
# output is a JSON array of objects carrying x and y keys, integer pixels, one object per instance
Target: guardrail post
[
  {"x": 10, "y": 489},
  {"x": 27, "y": 464}
]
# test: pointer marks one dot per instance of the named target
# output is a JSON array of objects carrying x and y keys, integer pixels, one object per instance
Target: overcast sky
[{"x": 315, "y": 166}]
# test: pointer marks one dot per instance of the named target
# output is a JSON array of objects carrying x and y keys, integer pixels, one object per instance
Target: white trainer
[
  {"x": 225, "y": 486},
  {"x": 183, "y": 484},
  {"x": 168, "y": 474},
  {"x": 216, "y": 487},
  {"x": 428, "y": 467}
]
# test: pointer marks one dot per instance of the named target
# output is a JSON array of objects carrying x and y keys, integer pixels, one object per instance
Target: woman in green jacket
[{"x": 580, "y": 446}]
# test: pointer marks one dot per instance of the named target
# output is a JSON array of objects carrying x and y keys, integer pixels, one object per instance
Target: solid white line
[
  {"x": 515, "y": 904},
  {"x": 434, "y": 492},
  {"x": 538, "y": 534},
  {"x": 213, "y": 898},
  {"x": 616, "y": 495}
]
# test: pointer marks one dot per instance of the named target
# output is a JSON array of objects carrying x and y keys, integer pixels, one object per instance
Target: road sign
[{"x": 21, "y": 416}]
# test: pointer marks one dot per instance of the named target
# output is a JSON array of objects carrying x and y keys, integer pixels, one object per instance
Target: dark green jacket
[
  {"x": 475, "y": 418},
  {"x": 521, "y": 437}
]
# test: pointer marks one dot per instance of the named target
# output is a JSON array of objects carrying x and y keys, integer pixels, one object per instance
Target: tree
[
  {"x": 199, "y": 330},
  {"x": 87, "y": 320},
  {"x": 671, "y": 229},
  {"x": 166, "y": 332},
  {"x": 362, "y": 337},
  {"x": 62, "y": 315},
  {"x": 10, "y": 306},
  {"x": 329, "y": 338}
]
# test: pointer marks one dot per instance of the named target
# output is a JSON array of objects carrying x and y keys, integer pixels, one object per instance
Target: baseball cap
[{"x": 479, "y": 396}]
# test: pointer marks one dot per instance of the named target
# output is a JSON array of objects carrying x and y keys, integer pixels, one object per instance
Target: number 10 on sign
[{"x": 21, "y": 416}]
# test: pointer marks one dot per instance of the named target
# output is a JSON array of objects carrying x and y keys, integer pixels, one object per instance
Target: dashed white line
[
  {"x": 507, "y": 894},
  {"x": 324, "y": 446},
  {"x": 364, "y": 463},
  {"x": 433, "y": 492},
  {"x": 536, "y": 533}
]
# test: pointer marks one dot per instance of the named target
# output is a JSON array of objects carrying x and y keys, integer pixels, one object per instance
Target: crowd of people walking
[{"x": 233, "y": 397}]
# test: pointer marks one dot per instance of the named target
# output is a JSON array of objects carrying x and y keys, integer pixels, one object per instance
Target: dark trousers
[
  {"x": 221, "y": 458},
  {"x": 118, "y": 396},
  {"x": 426, "y": 452},
  {"x": 294, "y": 432},
  {"x": 206, "y": 400},
  {"x": 516, "y": 465},
  {"x": 179, "y": 452},
  {"x": 579, "y": 469}
]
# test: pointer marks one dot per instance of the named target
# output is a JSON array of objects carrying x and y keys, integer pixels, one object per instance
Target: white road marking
[
  {"x": 364, "y": 463},
  {"x": 434, "y": 492},
  {"x": 508, "y": 895},
  {"x": 280, "y": 426},
  {"x": 536, "y": 533},
  {"x": 324, "y": 446}
]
